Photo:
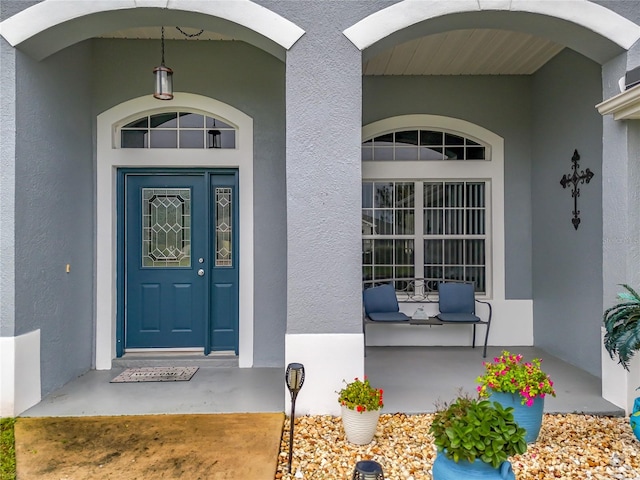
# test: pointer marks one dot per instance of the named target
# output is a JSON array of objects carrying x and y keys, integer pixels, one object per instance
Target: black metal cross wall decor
[{"x": 575, "y": 179}]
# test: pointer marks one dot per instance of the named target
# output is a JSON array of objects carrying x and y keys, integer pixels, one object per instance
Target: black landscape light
[
  {"x": 367, "y": 470},
  {"x": 294, "y": 377}
]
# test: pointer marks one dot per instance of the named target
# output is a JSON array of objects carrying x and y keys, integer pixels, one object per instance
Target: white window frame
[{"x": 490, "y": 171}]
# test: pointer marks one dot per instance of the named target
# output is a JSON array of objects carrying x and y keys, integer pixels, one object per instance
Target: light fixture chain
[
  {"x": 162, "y": 42},
  {"x": 190, "y": 35}
]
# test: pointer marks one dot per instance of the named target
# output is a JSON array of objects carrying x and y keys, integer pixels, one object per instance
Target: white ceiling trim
[
  {"x": 399, "y": 16},
  {"x": 50, "y": 13}
]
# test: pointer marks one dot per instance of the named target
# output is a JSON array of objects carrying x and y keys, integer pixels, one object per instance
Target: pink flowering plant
[
  {"x": 510, "y": 374},
  {"x": 360, "y": 396}
]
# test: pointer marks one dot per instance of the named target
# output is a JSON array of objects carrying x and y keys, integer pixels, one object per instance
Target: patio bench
[{"x": 455, "y": 299}]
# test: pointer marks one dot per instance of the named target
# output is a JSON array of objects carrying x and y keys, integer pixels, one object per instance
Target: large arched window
[{"x": 426, "y": 203}]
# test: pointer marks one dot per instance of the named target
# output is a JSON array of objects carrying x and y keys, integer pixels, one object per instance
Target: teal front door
[{"x": 180, "y": 260}]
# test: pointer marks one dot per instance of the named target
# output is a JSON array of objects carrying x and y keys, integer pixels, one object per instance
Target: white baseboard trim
[
  {"x": 328, "y": 359},
  {"x": 619, "y": 385},
  {"x": 19, "y": 373}
]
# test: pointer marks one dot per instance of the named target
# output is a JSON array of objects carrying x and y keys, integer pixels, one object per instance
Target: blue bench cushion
[
  {"x": 458, "y": 317},
  {"x": 388, "y": 316},
  {"x": 380, "y": 299}
]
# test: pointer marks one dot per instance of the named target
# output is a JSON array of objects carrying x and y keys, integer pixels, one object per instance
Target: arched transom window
[
  {"x": 422, "y": 145},
  {"x": 178, "y": 130}
]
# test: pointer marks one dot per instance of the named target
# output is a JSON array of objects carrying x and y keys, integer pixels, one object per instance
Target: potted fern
[
  {"x": 475, "y": 437},
  {"x": 622, "y": 326},
  {"x": 622, "y": 338}
]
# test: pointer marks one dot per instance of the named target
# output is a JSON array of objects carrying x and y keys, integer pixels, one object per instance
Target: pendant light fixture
[{"x": 163, "y": 76}]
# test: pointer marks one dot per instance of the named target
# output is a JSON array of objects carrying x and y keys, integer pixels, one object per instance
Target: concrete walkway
[{"x": 414, "y": 380}]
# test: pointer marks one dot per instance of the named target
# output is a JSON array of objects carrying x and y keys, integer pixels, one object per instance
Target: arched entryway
[
  {"x": 531, "y": 72},
  {"x": 90, "y": 61},
  {"x": 168, "y": 165}
]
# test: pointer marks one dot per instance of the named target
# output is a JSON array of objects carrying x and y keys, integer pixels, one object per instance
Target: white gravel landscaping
[{"x": 580, "y": 447}]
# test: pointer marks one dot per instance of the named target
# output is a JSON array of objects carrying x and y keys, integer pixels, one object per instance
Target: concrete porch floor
[{"x": 414, "y": 380}]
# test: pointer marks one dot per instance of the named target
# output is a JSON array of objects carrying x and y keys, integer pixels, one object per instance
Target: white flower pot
[{"x": 359, "y": 428}]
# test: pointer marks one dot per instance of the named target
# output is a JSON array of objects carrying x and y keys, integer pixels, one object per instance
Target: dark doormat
[{"x": 156, "y": 374}]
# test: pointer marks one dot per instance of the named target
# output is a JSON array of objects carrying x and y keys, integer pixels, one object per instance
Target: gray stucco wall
[
  {"x": 252, "y": 81},
  {"x": 54, "y": 211},
  {"x": 7, "y": 188},
  {"x": 633, "y": 189},
  {"x": 498, "y": 103},
  {"x": 567, "y": 263},
  {"x": 627, "y": 8}
]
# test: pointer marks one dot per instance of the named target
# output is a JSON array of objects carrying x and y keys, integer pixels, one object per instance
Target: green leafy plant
[
  {"x": 360, "y": 396},
  {"x": 472, "y": 428},
  {"x": 622, "y": 325},
  {"x": 511, "y": 374}
]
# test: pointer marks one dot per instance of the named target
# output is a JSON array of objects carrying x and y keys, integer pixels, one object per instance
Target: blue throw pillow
[
  {"x": 456, "y": 298},
  {"x": 380, "y": 299}
]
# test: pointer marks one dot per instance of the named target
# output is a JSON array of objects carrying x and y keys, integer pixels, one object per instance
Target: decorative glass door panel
[
  {"x": 224, "y": 226},
  {"x": 165, "y": 229}
]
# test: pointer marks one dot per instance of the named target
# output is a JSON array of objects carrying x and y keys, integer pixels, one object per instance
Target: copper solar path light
[
  {"x": 367, "y": 470},
  {"x": 294, "y": 377}
]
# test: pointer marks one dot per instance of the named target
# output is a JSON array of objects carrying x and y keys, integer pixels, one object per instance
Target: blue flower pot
[
  {"x": 529, "y": 418},
  {"x": 634, "y": 420},
  {"x": 446, "y": 469}
]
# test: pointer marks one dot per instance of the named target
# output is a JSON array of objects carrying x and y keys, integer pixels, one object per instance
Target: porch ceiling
[
  {"x": 465, "y": 52},
  {"x": 459, "y": 52}
]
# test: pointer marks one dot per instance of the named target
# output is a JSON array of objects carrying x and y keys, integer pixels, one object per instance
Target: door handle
[{"x": 201, "y": 272}]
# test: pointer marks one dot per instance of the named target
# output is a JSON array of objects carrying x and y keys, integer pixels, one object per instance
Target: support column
[
  {"x": 323, "y": 112},
  {"x": 7, "y": 187},
  {"x": 19, "y": 354},
  {"x": 7, "y": 227},
  {"x": 621, "y": 227}
]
